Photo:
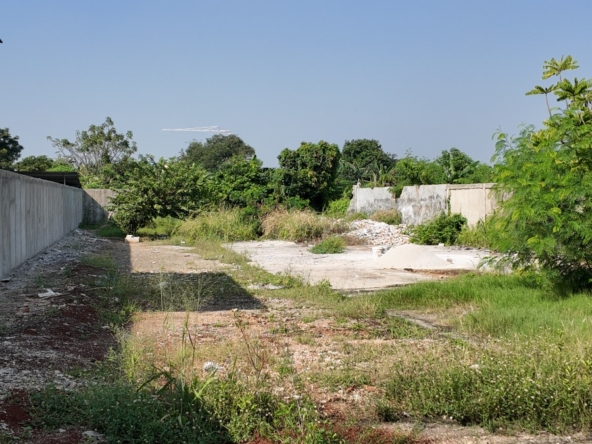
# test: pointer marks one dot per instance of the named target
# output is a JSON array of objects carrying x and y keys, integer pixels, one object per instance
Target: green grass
[
  {"x": 299, "y": 226},
  {"x": 391, "y": 217},
  {"x": 525, "y": 363},
  {"x": 227, "y": 225},
  {"x": 329, "y": 245},
  {"x": 110, "y": 230}
]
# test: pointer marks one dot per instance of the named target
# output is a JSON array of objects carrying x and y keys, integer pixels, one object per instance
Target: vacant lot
[{"x": 210, "y": 336}]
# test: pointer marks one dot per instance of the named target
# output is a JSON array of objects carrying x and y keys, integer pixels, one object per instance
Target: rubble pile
[{"x": 378, "y": 233}]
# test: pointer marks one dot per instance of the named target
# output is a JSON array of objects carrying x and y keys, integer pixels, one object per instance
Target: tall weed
[
  {"x": 227, "y": 225},
  {"x": 299, "y": 226}
]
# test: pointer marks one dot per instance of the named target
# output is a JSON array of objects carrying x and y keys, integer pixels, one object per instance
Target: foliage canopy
[
  {"x": 217, "y": 150},
  {"x": 98, "y": 152},
  {"x": 10, "y": 149},
  {"x": 545, "y": 183}
]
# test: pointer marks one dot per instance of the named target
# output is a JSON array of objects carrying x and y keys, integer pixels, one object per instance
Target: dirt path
[{"x": 43, "y": 339}]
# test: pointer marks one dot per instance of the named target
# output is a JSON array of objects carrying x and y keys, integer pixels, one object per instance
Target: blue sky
[{"x": 421, "y": 75}]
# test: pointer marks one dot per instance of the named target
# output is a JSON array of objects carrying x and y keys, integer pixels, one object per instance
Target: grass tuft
[
  {"x": 329, "y": 245},
  {"x": 299, "y": 226}
]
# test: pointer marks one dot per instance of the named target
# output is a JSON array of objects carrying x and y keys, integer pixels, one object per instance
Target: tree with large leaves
[{"x": 10, "y": 149}]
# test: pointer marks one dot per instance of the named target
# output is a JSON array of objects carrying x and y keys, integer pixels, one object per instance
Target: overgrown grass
[
  {"x": 391, "y": 217},
  {"x": 477, "y": 236},
  {"x": 329, "y": 245},
  {"x": 227, "y": 225},
  {"x": 299, "y": 226},
  {"x": 518, "y": 357},
  {"x": 110, "y": 230},
  {"x": 160, "y": 227}
]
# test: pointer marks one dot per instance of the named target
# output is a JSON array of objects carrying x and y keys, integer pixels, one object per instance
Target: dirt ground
[{"x": 47, "y": 340}]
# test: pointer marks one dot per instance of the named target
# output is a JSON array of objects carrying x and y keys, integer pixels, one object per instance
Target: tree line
[{"x": 224, "y": 170}]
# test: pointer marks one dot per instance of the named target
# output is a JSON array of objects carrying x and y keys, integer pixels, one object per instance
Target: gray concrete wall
[
  {"x": 474, "y": 201},
  {"x": 420, "y": 203},
  {"x": 34, "y": 214},
  {"x": 370, "y": 200},
  {"x": 93, "y": 203}
]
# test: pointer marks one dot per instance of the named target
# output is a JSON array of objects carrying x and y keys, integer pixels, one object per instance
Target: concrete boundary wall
[
  {"x": 420, "y": 203},
  {"x": 475, "y": 201},
  {"x": 370, "y": 200},
  {"x": 34, "y": 214},
  {"x": 94, "y": 202}
]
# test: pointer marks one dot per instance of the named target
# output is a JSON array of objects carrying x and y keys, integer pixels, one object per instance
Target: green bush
[
  {"x": 338, "y": 208},
  {"x": 228, "y": 225},
  {"x": 329, "y": 245},
  {"x": 110, "y": 230},
  {"x": 160, "y": 227},
  {"x": 477, "y": 236},
  {"x": 391, "y": 217},
  {"x": 442, "y": 230}
]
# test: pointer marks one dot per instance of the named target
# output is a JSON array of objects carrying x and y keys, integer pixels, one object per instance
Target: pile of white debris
[{"x": 378, "y": 233}]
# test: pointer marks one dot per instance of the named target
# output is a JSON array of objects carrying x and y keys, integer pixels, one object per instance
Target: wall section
[
  {"x": 420, "y": 203},
  {"x": 34, "y": 214},
  {"x": 370, "y": 200},
  {"x": 474, "y": 201},
  {"x": 94, "y": 202}
]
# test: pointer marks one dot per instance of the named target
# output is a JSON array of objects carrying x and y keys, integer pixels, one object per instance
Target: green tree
[
  {"x": 411, "y": 170},
  {"x": 10, "y": 149},
  {"x": 364, "y": 160},
  {"x": 241, "y": 182},
  {"x": 34, "y": 163},
  {"x": 308, "y": 173},
  {"x": 99, "y": 148},
  {"x": 459, "y": 168},
  {"x": 159, "y": 189},
  {"x": 217, "y": 150},
  {"x": 544, "y": 182}
]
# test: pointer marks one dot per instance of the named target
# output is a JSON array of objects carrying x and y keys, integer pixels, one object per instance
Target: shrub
[
  {"x": 160, "y": 227},
  {"x": 391, "y": 217},
  {"x": 329, "y": 245},
  {"x": 338, "y": 208},
  {"x": 227, "y": 225},
  {"x": 478, "y": 236},
  {"x": 299, "y": 226},
  {"x": 442, "y": 230}
]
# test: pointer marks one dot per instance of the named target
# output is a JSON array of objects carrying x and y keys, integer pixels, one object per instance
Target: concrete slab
[{"x": 354, "y": 270}]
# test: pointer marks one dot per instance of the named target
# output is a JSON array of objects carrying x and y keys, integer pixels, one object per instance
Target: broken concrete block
[{"x": 132, "y": 239}]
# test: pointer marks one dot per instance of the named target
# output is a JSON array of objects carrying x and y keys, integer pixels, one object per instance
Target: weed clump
[
  {"x": 442, "y": 230},
  {"x": 391, "y": 217},
  {"x": 299, "y": 226},
  {"x": 329, "y": 245},
  {"x": 160, "y": 227},
  {"x": 227, "y": 225}
]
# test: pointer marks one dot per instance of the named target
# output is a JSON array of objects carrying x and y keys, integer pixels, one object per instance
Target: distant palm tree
[
  {"x": 555, "y": 68},
  {"x": 541, "y": 90}
]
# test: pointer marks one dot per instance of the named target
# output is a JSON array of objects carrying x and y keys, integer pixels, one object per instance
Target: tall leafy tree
[
  {"x": 364, "y": 159},
  {"x": 545, "y": 185},
  {"x": 459, "y": 167},
  {"x": 34, "y": 163},
  {"x": 308, "y": 172},
  {"x": 217, "y": 150},
  {"x": 10, "y": 149},
  {"x": 96, "y": 149}
]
